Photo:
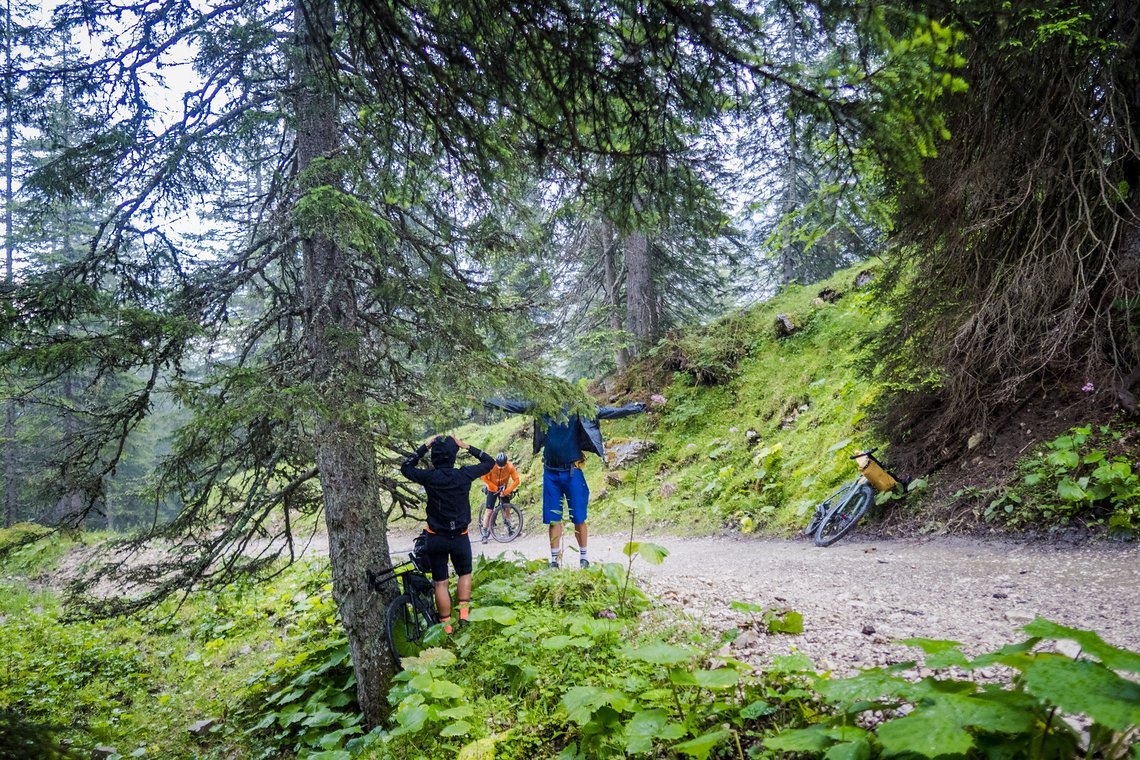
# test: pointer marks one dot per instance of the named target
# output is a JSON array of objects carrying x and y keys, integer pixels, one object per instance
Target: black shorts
[{"x": 440, "y": 548}]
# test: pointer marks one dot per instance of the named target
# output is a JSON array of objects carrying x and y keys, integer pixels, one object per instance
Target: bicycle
[
  {"x": 412, "y": 613},
  {"x": 836, "y": 515},
  {"x": 506, "y": 520}
]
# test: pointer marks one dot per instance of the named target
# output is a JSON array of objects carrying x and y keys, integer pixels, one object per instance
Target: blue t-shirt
[{"x": 562, "y": 448}]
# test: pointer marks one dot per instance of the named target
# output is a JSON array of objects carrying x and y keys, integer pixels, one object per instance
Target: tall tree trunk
[
  {"x": 614, "y": 306},
  {"x": 9, "y": 248},
  {"x": 345, "y": 455},
  {"x": 640, "y": 293},
  {"x": 791, "y": 194}
]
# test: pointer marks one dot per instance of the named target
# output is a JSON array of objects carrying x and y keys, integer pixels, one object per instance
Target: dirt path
[{"x": 858, "y": 596}]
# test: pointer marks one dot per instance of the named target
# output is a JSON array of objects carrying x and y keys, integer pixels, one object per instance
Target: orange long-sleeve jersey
[{"x": 499, "y": 476}]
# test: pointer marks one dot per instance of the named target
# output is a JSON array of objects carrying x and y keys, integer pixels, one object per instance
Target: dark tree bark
[
  {"x": 346, "y": 459},
  {"x": 10, "y": 403},
  {"x": 640, "y": 294},
  {"x": 621, "y": 352}
]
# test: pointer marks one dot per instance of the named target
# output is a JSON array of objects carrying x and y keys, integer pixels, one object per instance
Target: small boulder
[
  {"x": 202, "y": 728},
  {"x": 666, "y": 490},
  {"x": 864, "y": 278},
  {"x": 785, "y": 325},
  {"x": 627, "y": 452},
  {"x": 102, "y": 752},
  {"x": 830, "y": 295}
]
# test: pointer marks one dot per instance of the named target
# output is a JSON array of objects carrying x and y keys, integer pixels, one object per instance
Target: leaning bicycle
[
  {"x": 411, "y": 614},
  {"x": 837, "y": 515}
]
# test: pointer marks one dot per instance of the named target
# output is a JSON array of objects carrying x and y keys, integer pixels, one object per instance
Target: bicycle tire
[
  {"x": 821, "y": 511},
  {"x": 405, "y": 624},
  {"x": 506, "y": 523},
  {"x": 843, "y": 516}
]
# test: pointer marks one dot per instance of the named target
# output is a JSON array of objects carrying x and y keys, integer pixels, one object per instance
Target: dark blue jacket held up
[{"x": 589, "y": 431}]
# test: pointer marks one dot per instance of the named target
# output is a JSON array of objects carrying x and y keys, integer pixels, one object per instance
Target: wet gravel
[{"x": 859, "y": 597}]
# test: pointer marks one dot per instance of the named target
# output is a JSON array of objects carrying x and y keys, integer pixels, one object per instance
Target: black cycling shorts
[{"x": 440, "y": 548}]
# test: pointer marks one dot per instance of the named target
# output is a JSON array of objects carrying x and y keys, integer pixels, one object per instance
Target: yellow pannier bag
[{"x": 879, "y": 478}]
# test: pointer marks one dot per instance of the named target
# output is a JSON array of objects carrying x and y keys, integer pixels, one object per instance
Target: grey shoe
[
  {"x": 554, "y": 565},
  {"x": 486, "y": 535},
  {"x": 584, "y": 563}
]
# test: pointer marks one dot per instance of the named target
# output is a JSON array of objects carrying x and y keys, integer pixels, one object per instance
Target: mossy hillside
[{"x": 805, "y": 396}]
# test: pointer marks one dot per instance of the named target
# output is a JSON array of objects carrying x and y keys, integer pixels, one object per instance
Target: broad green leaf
[
  {"x": 458, "y": 728},
  {"x": 839, "y": 445},
  {"x": 940, "y": 728},
  {"x": 1081, "y": 686},
  {"x": 410, "y": 720},
  {"x": 721, "y": 678},
  {"x": 458, "y": 713},
  {"x": 681, "y": 677},
  {"x": 659, "y": 653},
  {"x": 481, "y": 749},
  {"x": 560, "y": 641},
  {"x": 647, "y": 725},
  {"x": 869, "y": 685},
  {"x": 1090, "y": 642},
  {"x": 701, "y": 746},
  {"x": 790, "y": 622},
  {"x": 322, "y": 718},
  {"x": 791, "y": 663},
  {"x": 746, "y": 607},
  {"x": 1069, "y": 490},
  {"x": 431, "y": 657},
  {"x": 813, "y": 739},
  {"x": 500, "y": 615},
  {"x": 582, "y": 702},
  {"x": 444, "y": 689},
  {"x": 654, "y": 554},
  {"x": 860, "y": 749},
  {"x": 757, "y": 709},
  {"x": 931, "y": 646}
]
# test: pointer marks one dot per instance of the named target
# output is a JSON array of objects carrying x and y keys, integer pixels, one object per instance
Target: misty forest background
[{"x": 256, "y": 251}]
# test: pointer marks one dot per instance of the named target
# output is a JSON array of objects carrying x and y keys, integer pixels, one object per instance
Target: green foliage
[
  {"x": 1030, "y": 717},
  {"x": 1081, "y": 475},
  {"x": 757, "y": 451},
  {"x": 540, "y": 672}
]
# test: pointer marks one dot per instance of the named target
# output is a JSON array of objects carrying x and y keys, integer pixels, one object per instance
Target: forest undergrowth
[{"x": 554, "y": 664}]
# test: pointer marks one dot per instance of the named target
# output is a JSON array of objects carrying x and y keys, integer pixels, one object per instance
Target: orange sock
[
  {"x": 464, "y": 610},
  {"x": 446, "y": 623}
]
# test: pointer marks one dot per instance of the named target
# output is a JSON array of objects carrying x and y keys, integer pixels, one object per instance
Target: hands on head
[{"x": 459, "y": 443}]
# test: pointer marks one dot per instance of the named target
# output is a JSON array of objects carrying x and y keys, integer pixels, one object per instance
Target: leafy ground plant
[
  {"x": 1084, "y": 475},
  {"x": 1035, "y": 715},
  {"x": 553, "y": 664}
]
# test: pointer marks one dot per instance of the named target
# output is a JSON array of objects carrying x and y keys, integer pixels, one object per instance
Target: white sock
[
  {"x": 553, "y": 555},
  {"x": 582, "y": 552}
]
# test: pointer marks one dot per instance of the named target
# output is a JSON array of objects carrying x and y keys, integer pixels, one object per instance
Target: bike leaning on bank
[{"x": 836, "y": 516}]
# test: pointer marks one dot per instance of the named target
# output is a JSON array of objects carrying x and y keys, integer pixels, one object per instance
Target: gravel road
[{"x": 858, "y": 596}]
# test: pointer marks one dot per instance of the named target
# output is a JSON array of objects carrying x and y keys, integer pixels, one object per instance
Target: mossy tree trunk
[{"x": 345, "y": 456}]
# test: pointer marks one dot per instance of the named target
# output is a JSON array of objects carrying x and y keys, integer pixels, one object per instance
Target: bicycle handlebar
[
  {"x": 867, "y": 453},
  {"x": 376, "y": 580}
]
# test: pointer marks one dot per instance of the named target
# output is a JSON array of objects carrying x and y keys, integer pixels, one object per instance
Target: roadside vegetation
[{"x": 566, "y": 664}]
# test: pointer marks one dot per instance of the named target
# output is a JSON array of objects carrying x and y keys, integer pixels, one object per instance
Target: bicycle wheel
[
  {"x": 405, "y": 624},
  {"x": 843, "y": 516},
  {"x": 821, "y": 511},
  {"x": 506, "y": 523}
]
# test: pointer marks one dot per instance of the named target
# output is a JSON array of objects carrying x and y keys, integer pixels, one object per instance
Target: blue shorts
[{"x": 570, "y": 484}]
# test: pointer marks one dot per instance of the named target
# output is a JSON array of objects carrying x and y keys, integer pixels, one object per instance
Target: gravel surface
[{"x": 859, "y": 596}]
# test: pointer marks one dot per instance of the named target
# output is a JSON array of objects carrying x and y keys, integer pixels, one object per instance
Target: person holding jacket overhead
[
  {"x": 565, "y": 439},
  {"x": 499, "y": 483},
  {"x": 448, "y": 516}
]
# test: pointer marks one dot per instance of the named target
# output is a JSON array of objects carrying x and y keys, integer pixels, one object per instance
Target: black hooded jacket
[{"x": 448, "y": 487}]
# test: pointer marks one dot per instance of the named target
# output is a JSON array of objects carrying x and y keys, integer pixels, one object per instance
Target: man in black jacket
[{"x": 448, "y": 515}]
